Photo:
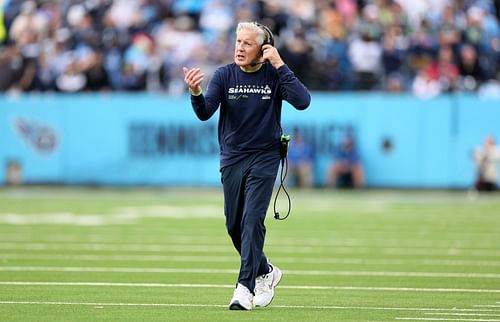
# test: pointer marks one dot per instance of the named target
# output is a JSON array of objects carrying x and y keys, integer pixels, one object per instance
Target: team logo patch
[{"x": 38, "y": 136}]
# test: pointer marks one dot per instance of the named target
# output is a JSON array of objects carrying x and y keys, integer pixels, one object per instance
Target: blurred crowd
[{"x": 425, "y": 47}]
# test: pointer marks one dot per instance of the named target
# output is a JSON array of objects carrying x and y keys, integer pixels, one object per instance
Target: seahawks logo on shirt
[{"x": 243, "y": 91}]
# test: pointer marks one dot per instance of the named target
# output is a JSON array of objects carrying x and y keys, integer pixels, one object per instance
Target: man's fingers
[
  {"x": 195, "y": 80},
  {"x": 192, "y": 72},
  {"x": 198, "y": 78},
  {"x": 192, "y": 76}
]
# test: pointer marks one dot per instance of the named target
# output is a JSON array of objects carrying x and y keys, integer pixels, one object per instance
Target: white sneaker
[
  {"x": 264, "y": 287},
  {"x": 242, "y": 298}
]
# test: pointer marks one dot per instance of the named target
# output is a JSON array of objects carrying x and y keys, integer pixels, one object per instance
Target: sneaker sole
[
  {"x": 236, "y": 306},
  {"x": 274, "y": 286}
]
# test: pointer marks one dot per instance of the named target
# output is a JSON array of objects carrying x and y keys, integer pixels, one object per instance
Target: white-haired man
[{"x": 249, "y": 92}]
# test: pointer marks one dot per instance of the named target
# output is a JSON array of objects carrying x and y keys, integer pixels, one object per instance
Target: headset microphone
[{"x": 259, "y": 63}]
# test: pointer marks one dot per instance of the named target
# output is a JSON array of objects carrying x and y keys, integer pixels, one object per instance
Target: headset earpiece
[{"x": 269, "y": 40}]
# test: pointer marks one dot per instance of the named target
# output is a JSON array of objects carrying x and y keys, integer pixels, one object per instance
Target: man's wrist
[
  {"x": 196, "y": 92},
  {"x": 277, "y": 65}
]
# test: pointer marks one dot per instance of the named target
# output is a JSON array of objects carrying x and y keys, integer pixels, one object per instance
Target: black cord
[
  {"x": 284, "y": 139},
  {"x": 283, "y": 173}
]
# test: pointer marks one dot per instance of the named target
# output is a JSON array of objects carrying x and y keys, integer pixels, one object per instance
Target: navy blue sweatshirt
[{"x": 250, "y": 108}]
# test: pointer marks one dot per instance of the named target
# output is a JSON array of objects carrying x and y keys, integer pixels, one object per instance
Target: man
[
  {"x": 300, "y": 161},
  {"x": 487, "y": 158},
  {"x": 346, "y": 170},
  {"x": 249, "y": 92}
]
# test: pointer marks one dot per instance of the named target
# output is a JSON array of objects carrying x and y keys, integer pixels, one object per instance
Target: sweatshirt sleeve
[
  {"x": 292, "y": 89},
  {"x": 205, "y": 105}
]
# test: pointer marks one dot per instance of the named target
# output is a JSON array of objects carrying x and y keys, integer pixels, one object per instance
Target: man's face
[{"x": 246, "y": 50}]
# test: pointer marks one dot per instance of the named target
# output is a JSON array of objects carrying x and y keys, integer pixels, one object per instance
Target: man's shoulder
[{"x": 227, "y": 68}]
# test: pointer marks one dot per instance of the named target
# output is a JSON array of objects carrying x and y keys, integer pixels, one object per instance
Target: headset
[{"x": 268, "y": 40}]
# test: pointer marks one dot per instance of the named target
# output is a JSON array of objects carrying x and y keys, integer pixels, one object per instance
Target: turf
[{"x": 78, "y": 254}]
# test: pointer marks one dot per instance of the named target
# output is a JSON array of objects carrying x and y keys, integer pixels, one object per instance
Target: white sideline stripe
[
  {"x": 403, "y": 251},
  {"x": 225, "y": 306},
  {"x": 308, "y": 287},
  {"x": 462, "y": 314},
  {"x": 186, "y": 240},
  {"x": 486, "y": 305},
  {"x": 232, "y": 271},
  {"x": 447, "y": 319},
  {"x": 111, "y": 304},
  {"x": 139, "y": 258},
  {"x": 115, "y": 247},
  {"x": 202, "y": 258}
]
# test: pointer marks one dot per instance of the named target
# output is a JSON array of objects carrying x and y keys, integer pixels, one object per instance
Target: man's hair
[{"x": 259, "y": 31}]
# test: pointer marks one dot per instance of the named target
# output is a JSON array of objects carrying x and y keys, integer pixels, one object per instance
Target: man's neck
[{"x": 251, "y": 68}]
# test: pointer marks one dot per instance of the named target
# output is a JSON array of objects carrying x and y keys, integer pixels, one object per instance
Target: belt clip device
[{"x": 284, "y": 145}]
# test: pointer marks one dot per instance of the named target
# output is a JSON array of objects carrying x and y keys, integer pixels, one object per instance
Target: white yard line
[
  {"x": 448, "y": 319},
  {"x": 322, "y": 249},
  {"x": 312, "y": 287},
  {"x": 116, "y": 247},
  {"x": 224, "y": 306},
  {"x": 110, "y": 304},
  {"x": 134, "y": 258},
  {"x": 215, "y": 258},
  {"x": 233, "y": 271},
  {"x": 21, "y": 237},
  {"x": 463, "y": 314},
  {"x": 486, "y": 305}
]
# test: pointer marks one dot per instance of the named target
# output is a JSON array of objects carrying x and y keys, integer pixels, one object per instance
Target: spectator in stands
[
  {"x": 333, "y": 66},
  {"x": 95, "y": 73},
  {"x": 216, "y": 18},
  {"x": 487, "y": 159},
  {"x": 445, "y": 70},
  {"x": 424, "y": 86},
  {"x": 10, "y": 67},
  {"x": 296, "y": 52},
  {"x": 472, "y": 74},
  {"x": 365, "y": 51},
  {"x": 136, "y": 60},
  {"x": 483, "y": 32},
  {"x": 441, "y": 75},
  {"x": 300, "y": 161},
  {"x": 448, "y": 28},
  {"x": 346, "y": 170},
  {"x": 393, "y": 57},
  {"x": 423, "y": 46}
]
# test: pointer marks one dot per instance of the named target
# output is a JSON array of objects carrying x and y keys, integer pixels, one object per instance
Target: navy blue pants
[{"x": 248, "y": 187}]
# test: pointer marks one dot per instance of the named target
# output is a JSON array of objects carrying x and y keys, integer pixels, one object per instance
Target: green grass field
[{"x": 75, "y": 254}]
